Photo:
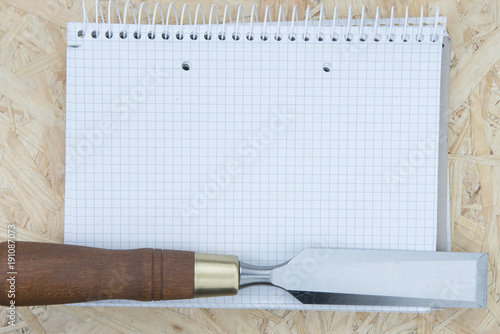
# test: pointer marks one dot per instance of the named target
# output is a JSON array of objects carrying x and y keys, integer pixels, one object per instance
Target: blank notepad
[{"x": 257, "y": 148}]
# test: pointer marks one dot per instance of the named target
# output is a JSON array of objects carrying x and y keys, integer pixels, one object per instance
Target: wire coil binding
[{"x": 334, "y": 29}]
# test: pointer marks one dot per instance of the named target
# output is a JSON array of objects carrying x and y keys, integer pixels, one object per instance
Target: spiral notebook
[{"x": 257, "y": 138}]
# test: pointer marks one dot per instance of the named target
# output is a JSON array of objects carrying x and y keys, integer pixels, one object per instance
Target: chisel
[{"x": 43, "y": 273}]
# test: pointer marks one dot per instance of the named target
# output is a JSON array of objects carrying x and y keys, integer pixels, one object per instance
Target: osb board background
[{"x": 32, "y": 126}]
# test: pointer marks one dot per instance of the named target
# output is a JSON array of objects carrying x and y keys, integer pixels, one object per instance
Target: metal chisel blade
[{"x": 385, "y": 278}]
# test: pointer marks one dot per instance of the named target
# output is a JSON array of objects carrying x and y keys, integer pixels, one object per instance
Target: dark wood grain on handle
[{"x": 61, "y": 274}]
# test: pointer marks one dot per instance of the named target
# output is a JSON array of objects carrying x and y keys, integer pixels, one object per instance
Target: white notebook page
[{"x": 256, "y": 150}]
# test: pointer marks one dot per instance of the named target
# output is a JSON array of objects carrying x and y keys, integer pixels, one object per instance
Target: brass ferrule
[{"x": 216, "y": 275}]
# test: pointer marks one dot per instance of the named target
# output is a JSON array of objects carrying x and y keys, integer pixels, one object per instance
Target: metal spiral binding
[{"x": 311, "y": 29}]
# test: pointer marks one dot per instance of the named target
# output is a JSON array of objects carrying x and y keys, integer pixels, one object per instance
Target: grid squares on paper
[{"x": 255, "y": 151}]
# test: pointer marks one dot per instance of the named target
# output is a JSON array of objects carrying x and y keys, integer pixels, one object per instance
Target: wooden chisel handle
[{"x": 45, "y": 273}]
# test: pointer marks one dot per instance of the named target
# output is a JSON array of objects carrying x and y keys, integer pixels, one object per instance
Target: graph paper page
[{"x": 254, "y": 148}]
